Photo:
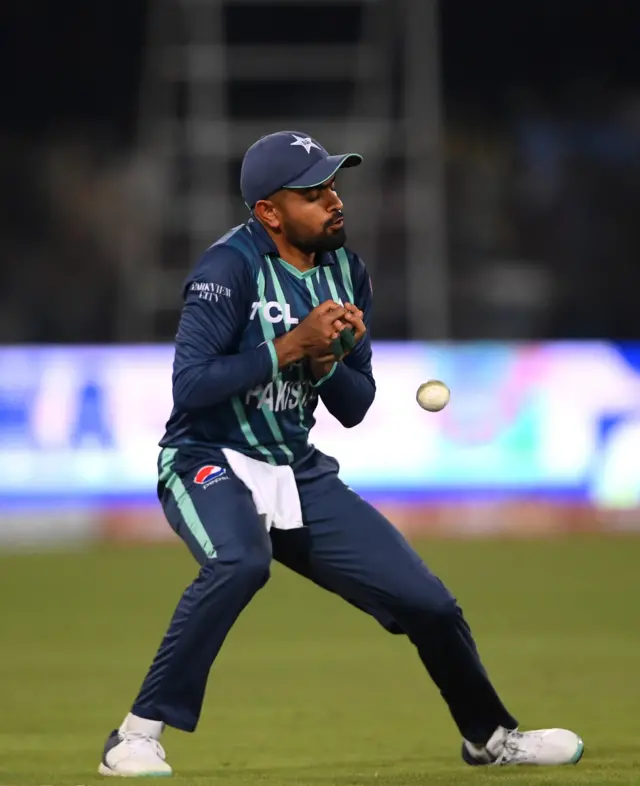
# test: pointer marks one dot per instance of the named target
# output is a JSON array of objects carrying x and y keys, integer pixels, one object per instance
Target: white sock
[{"x": 139, "y": 725}]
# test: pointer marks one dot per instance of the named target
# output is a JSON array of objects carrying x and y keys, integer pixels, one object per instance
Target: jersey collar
[{"x": 266, "y": 245}]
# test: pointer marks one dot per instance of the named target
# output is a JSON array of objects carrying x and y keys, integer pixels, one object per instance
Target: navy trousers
[{"x": 346, "y": 547}]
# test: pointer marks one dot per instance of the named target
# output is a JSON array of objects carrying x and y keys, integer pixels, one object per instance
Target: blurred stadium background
[{"x": 498, "y": 213}]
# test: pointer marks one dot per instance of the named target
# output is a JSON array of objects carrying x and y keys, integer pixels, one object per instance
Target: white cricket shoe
[
  {"x": 131, "y": 754},
  {"x": 539, "y": 747}
]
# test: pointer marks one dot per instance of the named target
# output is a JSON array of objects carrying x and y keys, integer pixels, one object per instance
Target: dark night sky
[
  {"x": 74, "y": 60},
  {"x": 490, "y": 43},
  {"x": 69, "y": 60}
]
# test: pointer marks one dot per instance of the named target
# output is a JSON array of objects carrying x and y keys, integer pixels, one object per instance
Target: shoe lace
[
  {"x": 512, "y": 748},
  {"x": 142, "y": 742}
]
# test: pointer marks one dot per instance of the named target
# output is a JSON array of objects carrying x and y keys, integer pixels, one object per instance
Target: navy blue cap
[{"x": 287, "y": 159}]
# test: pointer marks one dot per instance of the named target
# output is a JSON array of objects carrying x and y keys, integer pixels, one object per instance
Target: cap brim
[{"x": 324, "y": 170}]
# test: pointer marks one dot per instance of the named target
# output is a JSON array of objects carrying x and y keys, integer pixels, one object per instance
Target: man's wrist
[{"x": 288, "y": 349}]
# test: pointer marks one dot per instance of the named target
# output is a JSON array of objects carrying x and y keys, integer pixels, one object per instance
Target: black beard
[{"x": 325, "y": 242}]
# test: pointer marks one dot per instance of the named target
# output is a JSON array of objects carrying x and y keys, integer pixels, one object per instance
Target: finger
[
  {"x": 360, "y": 328},
  {"x": 327, "y": 306},
  {"x": 356, "y": 322},
  {"x": 335, "y": 313}
]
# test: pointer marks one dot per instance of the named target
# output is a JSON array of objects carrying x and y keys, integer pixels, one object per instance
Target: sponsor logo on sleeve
[{"x": 209, "y": 291}]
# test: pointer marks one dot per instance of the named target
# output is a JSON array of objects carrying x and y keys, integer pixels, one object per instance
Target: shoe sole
[
  {"x": 108, "y": 772},
  {"x": 578, "y": 754}
]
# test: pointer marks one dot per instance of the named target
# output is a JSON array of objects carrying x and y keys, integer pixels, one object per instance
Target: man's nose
[{"x": 336, "y": 202}]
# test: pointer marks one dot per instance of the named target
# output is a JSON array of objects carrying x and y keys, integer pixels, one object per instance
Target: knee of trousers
[
  {"x": 389, "y": 623},
  {"x": 429, "y": 598},
  {"x": 245, "y": 568}
]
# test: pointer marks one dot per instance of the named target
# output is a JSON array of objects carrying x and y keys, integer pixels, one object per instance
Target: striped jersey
[{"x": 227, "y": 388}]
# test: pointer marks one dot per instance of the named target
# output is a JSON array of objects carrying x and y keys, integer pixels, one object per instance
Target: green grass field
[{"x": 309, "y": 691}]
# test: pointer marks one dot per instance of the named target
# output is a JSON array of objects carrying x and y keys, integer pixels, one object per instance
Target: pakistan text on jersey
[
  {"x": 280, "y": 395},
  {"x": 207, "y": 290}
]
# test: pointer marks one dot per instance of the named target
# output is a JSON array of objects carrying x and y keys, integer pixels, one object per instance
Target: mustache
[{"x": 336, "y": 217}]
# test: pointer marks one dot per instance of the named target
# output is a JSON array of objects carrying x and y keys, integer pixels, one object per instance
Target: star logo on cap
[{"x": 304, "y": 141}]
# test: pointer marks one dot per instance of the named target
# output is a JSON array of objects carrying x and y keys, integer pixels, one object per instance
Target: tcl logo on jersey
[{"x": 273, "y": 312}]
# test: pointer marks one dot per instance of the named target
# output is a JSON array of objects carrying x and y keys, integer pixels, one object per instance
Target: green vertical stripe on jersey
[
  {"x": 251, "y": 438},
  {"x": 332, "y": 284},
  {"x": 261, "y": 287},
  {"x": 269, "y": 334},
  {"x": 314, "y": 298},
  {"x": 343, "y": 259},
  {"x": 315, "y": 301},
  {"x": 281, "y": 299},
  {"x": 278, "y": 290},
  {"x": 239, "y": 409},
  {"x": 184, "y": 502}
]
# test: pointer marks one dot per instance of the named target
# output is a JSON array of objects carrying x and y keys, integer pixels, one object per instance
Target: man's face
[{"x": 310, "y": 219}]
